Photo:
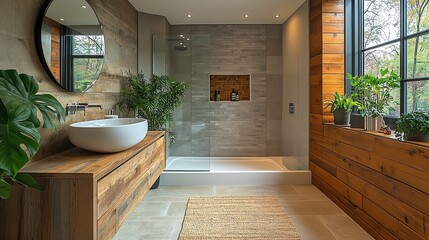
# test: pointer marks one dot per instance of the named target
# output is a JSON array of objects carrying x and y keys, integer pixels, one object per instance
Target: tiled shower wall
[{"x": 253, "y": 128}]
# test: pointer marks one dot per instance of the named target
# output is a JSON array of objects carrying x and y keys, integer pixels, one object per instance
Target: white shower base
[{"x": 231, "y": 171}]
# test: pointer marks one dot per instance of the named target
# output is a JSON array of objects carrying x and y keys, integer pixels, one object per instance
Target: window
[
  {"x": 83, "y": 60},
  {"x": 391, "y": 34}
]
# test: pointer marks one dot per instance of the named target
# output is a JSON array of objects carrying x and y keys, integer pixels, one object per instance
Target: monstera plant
[{"x": 19, "y": 136}]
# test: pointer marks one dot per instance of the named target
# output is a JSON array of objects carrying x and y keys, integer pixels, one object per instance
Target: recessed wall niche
[{"x": 226, "y": 83}]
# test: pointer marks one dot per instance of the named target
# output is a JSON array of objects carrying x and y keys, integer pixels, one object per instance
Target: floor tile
[
  {"x": 255, "y": 190},
  {"x": 183, "y": 190},
  {"x": 311, "y": 208},
  {"x": 343, "y": 227},
  {"x": 304, "y": 189},
  {"x": 160, "y": 214},
  {"x": 311, "y": 228}
]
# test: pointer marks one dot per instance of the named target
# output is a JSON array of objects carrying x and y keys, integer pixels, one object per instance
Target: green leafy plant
[
  {"x": 153, "y": 99},
  {"x": 340, "y": 102},
  {"x": 19, "y": 137},
  {"x": 413, "y": 125},
  {"x": 373, "y": 93}
]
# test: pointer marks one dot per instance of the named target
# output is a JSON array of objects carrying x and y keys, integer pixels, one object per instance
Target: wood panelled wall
[
  {"x": 326, "y": 57},
  {"x": 382, "y": 183}
]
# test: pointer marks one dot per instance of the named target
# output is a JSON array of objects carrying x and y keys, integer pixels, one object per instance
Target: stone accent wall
[
  {"x": 245, "y": 128},
  {"x": 18, "y": 51}
]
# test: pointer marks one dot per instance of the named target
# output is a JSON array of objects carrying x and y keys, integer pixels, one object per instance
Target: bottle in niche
[
  {"x": 237, "y": 97},
  {"x": 233, "y": 95},
  {"x": 218, "y": 96},
  {"x": 215, "y": 95}
]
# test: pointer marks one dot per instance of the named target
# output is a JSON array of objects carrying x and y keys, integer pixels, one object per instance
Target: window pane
[
  {"x": 381, "y": 21},
  {"x": 418, "y": 96},
  {"x": 418, "y": 57},
  {"x": 85, "y": 72},
  {"x": 395, "y": 108},
  {"x": 88, "y": 45},
  {"x": 417, "y": 16},
  {"x": 382, "y": 57}
]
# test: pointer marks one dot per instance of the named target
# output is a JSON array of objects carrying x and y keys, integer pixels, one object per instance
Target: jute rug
[{"x": 244, "y": 217}]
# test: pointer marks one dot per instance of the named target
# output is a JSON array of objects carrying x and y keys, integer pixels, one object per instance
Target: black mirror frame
[
  {"x": 39, "y": 48},
  {"x": 38, "y": 38}
]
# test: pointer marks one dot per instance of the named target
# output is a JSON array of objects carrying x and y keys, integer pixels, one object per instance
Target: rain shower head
[{"x": 181, "y": 46}]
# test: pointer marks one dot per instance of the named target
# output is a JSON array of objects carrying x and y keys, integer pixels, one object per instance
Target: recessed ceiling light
[
  {"x": 277, "y": 16},
  {"x": 62, "y": 19},
  {"x": 189, "y": 15},
  {"x": 246, "y": 15},
  {"x": 181, "y": 36},
  {"x": 188, "y": 39},
  {"x": 83, "y": 6}
]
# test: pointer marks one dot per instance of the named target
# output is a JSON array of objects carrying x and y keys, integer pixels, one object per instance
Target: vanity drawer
[{"x": 124, "y": 180}]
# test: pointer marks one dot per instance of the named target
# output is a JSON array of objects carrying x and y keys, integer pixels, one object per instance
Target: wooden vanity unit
[{"x": 87, "y": 195}]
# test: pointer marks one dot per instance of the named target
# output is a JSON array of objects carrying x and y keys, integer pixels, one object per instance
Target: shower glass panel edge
[{"x": 173, "y": 55}]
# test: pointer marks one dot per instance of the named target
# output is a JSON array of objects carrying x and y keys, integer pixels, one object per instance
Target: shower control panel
[{"x": 292, "y": 108}]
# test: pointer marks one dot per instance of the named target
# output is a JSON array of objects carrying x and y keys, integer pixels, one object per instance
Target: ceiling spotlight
[
  {"x": 188, "y": 39},
  {"x": 246, "y": 15},
  {"x": 83, "y": 6},
  {"x": 62, "y": 19},
  {"x": 181, "y": 36},
  {"x": 189, "y": 15},
  {"x": 277, "y": 16}
]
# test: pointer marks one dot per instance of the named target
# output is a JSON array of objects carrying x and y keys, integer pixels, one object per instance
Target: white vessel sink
[{"x": 108, "y": 135}]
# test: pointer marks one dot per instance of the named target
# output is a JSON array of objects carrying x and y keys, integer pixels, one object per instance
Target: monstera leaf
[{"x": 19, "y": 137}]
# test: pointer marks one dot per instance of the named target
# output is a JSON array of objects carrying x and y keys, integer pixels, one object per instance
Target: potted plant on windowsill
[
  {"x": 341, "y": 107},
  {"x": 19, "y": 137},
  {"x": 155, "y": 100},
  {"x": 414, "y": 126},
  {"x": 373, "y": 93}
]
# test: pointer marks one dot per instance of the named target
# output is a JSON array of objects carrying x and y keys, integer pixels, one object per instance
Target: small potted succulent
[
  {"x": 341, "y": 107},
  {"x": 414, "y": 126}
]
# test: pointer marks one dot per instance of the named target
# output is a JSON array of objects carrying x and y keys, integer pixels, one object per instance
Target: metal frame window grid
[
  {"x": 68, "y": 56},
  {"x": 354, "y": 62}
]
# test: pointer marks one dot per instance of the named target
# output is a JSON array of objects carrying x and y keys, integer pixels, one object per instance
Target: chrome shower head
[{"x": 181, "y": 46}]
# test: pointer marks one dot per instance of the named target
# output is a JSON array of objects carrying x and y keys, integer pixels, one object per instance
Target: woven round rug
[{"x": 236, "y": 217}]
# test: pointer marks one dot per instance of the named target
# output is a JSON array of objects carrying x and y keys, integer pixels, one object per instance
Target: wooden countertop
[{"x": 77, "y": 161}]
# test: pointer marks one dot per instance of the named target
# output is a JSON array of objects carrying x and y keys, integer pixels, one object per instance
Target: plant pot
[
  {"x": 341, "y": 117},
  {"x": 418, "y": 136},
  {"x": 156, "y": 183},
  {"x": 357, "y": 121},
  {"x": 373, "y": 123}
]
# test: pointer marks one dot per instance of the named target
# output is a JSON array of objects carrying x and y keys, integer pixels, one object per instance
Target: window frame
[
  {"x": 354, "y": 60},
  {"x": 68, "y": 57}
]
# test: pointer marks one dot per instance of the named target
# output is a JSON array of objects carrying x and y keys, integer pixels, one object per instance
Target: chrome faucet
[{"x": 74, "y": 107}]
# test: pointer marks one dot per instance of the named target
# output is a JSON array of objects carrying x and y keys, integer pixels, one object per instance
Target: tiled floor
[{"x": 159, "y": 216}]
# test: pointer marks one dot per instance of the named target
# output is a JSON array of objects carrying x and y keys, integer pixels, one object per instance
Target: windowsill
[{"x": 391, "y": 136}]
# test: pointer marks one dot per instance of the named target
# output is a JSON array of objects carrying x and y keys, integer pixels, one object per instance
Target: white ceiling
[
  {"x": 220, "y": 11},
  {"x": 72, "y": 12}
]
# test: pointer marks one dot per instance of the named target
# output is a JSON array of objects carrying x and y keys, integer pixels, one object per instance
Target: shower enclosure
[{"x": 224, "y": 141}]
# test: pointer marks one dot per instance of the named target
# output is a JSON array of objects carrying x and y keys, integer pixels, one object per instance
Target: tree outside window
[{"x": 384, "y": 45}]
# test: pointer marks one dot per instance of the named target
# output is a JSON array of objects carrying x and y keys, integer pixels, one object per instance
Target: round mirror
[{"x": 70, "y": 44}]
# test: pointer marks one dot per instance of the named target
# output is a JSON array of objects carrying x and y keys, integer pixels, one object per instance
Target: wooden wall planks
[
  {"x": 383, "y": 184},
  {"x": 392, "y": 193}
]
